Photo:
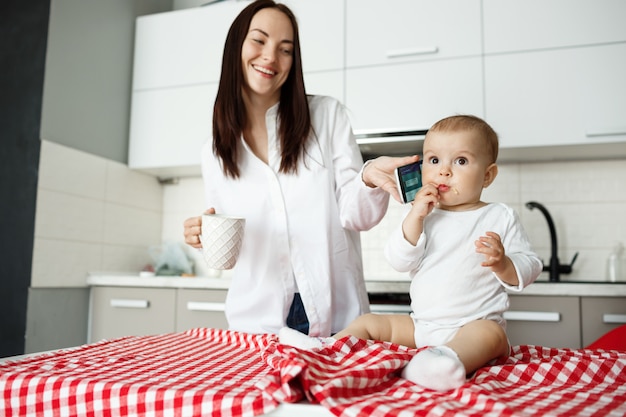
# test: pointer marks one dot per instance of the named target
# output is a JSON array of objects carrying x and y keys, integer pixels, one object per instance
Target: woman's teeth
[{"x": 264, "y": 70}]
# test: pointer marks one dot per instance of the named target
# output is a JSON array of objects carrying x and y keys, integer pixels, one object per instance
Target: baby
[{"x": 461, "y": 254}]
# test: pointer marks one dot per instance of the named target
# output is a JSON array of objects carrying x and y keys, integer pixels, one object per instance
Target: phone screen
[{"x": 409, "y": 180}]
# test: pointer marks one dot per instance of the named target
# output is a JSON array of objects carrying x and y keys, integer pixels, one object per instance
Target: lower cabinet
[
  {"x": 562, "y": 321},
  {"x": 600, "y": 315},
  {"x": 200, "y": 308},
  {"x": 125, "y": 311},
  {"x": 544, "y": 321}
]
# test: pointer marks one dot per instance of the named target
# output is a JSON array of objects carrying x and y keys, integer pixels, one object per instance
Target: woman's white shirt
[{"x": 301, "y": 231}]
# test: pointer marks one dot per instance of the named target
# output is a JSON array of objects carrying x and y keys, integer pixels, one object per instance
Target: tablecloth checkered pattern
[
  {"x": 202, "y": 372},
  {"x": 358, "y": 378},
  {"x": 212, "y": 372}
]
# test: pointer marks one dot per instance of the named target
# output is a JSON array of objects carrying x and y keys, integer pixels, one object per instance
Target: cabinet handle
[
  {"x": 128, "y": 303},
  {"x": 390, "y": 308},
  {"x": 205, "y": 306},
  {"x": 399, "y": 53},
  {"x": 614, "y": 318},
  {"x": 548, "y": 316},
  {"x": 616, "y": 131}
]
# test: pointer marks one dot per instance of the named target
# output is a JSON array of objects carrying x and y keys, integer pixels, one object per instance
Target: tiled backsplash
[
  {"x": 93, "y": 214},
  {"x": 97, "y": 215},
  {"x": 587, "y": 201}
]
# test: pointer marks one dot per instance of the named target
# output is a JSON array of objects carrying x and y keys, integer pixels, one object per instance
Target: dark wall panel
[{"x": 23, "y": 34}]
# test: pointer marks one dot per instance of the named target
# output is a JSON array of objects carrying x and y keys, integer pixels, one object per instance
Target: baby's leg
[
  {"x": 445, "y": 367},
  {"x": 395, "y": 328}
]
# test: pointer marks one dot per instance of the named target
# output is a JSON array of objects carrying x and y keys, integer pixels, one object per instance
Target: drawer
[
  {"x": 545, "y": 321},
  {"x": 200, "y": 308},
  {"x": 599, "y": 315},
  {"x": 126, "y": 311}
]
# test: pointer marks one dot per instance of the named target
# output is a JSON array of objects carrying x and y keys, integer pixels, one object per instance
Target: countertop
[{"x": 128, "y": 279}]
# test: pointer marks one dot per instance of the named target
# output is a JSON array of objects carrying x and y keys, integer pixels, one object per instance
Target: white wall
[{"x": 587, "y": 201}]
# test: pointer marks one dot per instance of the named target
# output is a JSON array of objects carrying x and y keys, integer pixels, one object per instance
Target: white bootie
[{"x": 438, "y": 368}]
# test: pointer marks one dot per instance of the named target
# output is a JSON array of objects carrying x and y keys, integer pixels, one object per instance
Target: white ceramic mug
[{"x": 221, "y": 240}]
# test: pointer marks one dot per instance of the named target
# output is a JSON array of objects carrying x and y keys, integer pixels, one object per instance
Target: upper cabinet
[
  {"x": 523, "y": 25},
  {"x": 554, "y": 75},
  {"x": 408, "y": 30},
  {"x": 183, "y": 47},
  {"x": 548, "y": 75},
  {"x": 411, "y": 62}
]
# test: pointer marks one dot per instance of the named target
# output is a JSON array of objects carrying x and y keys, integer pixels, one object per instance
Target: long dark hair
[{"x": 229, "y": 112}]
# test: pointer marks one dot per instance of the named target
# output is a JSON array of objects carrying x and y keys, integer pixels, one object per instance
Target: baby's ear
[{"x": 490, "y": 174}]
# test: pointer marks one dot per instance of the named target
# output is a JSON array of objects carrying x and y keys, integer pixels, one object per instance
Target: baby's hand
[
  {"x": 491, "y": 246},
  {"x": 425, "y": 201}
]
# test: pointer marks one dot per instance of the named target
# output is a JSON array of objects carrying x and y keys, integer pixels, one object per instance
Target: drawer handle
[
  {"x": 390, "y": 308},
  {"x": 205, "y": 306},
  {"x": 547, "y": 316},
  {"x": 128, "y": 303},
  {"x": 400, "y": 53},
  {"x": 614, "y": 318}
]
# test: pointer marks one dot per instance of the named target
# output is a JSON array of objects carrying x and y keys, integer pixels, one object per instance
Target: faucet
[{"x": 555, "y": 268}]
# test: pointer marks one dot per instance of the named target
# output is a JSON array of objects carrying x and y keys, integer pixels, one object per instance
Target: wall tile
[
  {"x": 125, "y": 225},
  {"x": 70, "y": 171},
  {"x": 69, "y": 217},
  {"x": 132, "y": 188},
  {"x": 92, "y": 215},
  {"x": 64, "y": 263}
]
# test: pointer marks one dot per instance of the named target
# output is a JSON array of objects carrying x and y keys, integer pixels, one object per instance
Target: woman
[{"x": 290, "y": 166}]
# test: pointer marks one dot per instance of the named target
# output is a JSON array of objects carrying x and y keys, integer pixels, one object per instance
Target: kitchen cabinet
[
  {"x": 421, "y": 63},
  {"x": 600, "y": 315},
  {"x": 544, "y": 320},
  {"x": 573, "y": 96},
  {"x": 200, "y": 308},
  {"x": 183, "y": 47},
  {"x": 413, "y": 95},
  {"x": 516, "y": 25},
  {"x": 168, "y": 128},
  {"x": 123, "y": 311},
  {"x": 562, "y": 321},
  {"x": 177, "y": 64},
  {"x": 554, "y": 76},
  {"x": 410, "y": 30}
]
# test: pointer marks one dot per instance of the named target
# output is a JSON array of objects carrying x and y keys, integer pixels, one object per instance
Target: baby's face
[{"x": 456, "y": 163}]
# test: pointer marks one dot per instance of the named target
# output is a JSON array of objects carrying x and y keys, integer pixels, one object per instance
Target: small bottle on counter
[{"x": 615, "y": 264}]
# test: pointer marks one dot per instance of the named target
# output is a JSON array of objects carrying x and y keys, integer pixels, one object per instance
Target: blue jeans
[{"x": 297, "y": 319}]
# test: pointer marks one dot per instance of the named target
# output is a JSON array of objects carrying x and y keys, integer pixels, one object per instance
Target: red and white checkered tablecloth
[
  {"x": 359, "y": 378},
  {"x": 200, "y": 372},
  {"x": 212, "y": 372}
]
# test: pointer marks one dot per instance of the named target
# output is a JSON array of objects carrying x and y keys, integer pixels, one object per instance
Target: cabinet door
[
  {"x": 518, "y": 25},
  {"x": 168, "y": 128},
  {"x": 182, "y": 47},
  {"x": 413, "y": 95},
  {"x": 544, "y": 321},
  {"x": 321, "y": 26},
  {"x": 559, "y": 97},
  {"x": 200, "y": 308},
  {"x": 126, "y": 311},
  {"x": 403, "y": 30},
  {"x": 601, "y": 314}
]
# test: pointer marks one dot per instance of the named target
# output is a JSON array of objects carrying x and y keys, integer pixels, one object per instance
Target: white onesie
[{"x": 449, "y": 287}]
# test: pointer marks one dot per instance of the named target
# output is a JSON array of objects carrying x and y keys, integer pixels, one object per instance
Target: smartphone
[{"x": 409, "y": 179}]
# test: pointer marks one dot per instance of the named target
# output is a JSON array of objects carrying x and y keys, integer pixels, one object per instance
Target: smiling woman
[{"x": 289, "y": 164}]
